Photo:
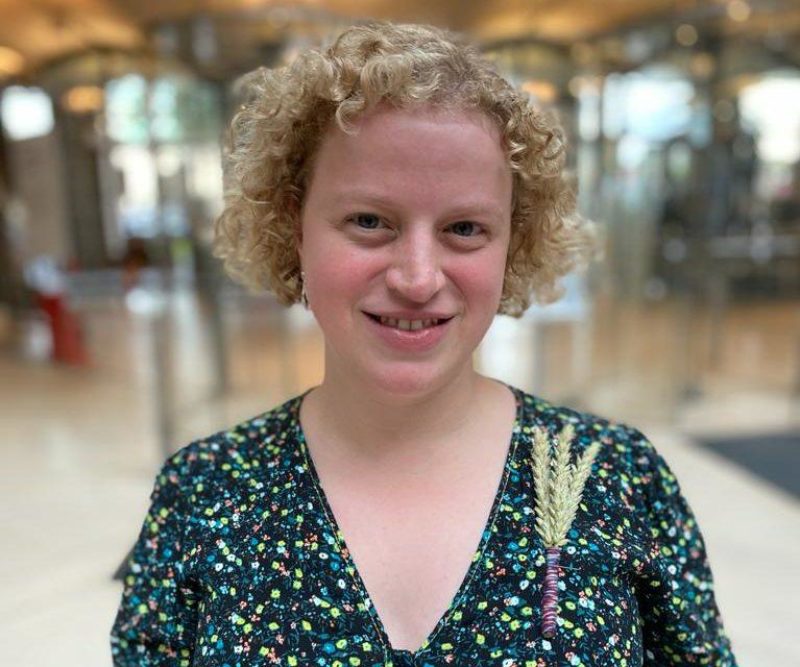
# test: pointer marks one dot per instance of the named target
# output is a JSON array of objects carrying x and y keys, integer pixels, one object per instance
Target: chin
[{"x": 409, "y": 379}]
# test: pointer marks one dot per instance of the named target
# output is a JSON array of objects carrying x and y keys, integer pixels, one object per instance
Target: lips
[
  {"x": 408, "y": 324},
  {"x": 415, "y": 335}
]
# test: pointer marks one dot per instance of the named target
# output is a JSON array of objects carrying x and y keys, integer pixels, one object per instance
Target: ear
[
  {"x": 298, "y": 238},
  {"x": 294, "y": 211}
]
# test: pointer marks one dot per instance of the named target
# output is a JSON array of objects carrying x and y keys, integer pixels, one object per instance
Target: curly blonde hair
[{"x": 275, "y": 134}]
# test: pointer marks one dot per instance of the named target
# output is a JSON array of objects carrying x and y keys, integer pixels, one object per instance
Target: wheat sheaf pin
[{"x": 559, "y": 487}]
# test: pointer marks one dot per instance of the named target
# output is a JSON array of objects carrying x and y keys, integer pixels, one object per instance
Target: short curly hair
[{"x": 276, "y": 132}]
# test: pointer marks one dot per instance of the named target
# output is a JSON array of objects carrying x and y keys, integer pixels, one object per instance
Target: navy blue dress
[{"x": 240, "y": 563}]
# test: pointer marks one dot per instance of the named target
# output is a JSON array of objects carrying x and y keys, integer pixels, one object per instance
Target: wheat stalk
[{"x": 559, "y": 487}]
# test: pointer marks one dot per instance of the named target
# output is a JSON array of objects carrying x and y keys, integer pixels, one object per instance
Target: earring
[{"x": 303, "y": 293}]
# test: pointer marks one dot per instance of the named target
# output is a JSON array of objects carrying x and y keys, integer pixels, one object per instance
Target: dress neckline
[{"x": 350, "y": 566}]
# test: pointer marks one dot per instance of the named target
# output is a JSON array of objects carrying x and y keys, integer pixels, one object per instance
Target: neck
[{"x": 367, "y": 423}]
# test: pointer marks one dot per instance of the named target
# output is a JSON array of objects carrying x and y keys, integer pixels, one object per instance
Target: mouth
[{"x": 408, "y": 325}]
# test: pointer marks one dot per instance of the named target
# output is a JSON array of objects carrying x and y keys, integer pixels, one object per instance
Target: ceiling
[{"x": 35, "y": 34}]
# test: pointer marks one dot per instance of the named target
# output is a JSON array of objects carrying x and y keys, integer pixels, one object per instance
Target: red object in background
[{"x": 68, "y": 347}]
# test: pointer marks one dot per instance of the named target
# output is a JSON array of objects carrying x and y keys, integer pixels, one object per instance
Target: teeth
[{"x": 407, "y": 325}]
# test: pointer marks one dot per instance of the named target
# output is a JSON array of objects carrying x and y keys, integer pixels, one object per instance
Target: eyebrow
[
  {"x": 342, "y": 196},
  {"x": 468, "y": 207}
]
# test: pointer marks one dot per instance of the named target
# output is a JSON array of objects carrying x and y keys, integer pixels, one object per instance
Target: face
[{"x": 404, "y": 234}]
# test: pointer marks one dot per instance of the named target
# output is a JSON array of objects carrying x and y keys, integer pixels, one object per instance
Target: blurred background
[{"x": 121, "y": 340}]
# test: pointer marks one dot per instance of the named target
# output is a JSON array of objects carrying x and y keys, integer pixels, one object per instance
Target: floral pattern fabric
[{"x": 240, "y": 563}]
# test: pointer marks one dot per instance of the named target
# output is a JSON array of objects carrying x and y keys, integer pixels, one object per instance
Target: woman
[{"x": 406, "y": 193}]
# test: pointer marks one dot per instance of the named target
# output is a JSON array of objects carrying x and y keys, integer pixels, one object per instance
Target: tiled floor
[{"x": 80, "y": 448}]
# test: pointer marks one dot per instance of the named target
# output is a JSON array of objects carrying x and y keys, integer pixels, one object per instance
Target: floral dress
[{"x": 240, "y": 563}]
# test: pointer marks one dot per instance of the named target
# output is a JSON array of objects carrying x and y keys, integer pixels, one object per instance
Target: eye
[
  {"x": 465, "y": 228},
  {"x": 366, "y": 220}
]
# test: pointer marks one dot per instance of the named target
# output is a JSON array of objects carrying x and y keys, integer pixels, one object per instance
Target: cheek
[
  {"x": 481, "y": 279},
  {"x": 339, "y": 273}
]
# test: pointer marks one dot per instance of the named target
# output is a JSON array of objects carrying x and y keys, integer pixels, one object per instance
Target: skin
[
  {"x": 410, "y": 213},
  {"x": 437, "y": 188}
]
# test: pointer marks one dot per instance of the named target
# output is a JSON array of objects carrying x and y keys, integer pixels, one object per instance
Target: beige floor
[{"x": 80, "y": 448}]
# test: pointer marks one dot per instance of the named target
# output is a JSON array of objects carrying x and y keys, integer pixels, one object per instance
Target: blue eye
[
  {"x": 465, "y": 228},
  {"x": 366, "y": 220}
]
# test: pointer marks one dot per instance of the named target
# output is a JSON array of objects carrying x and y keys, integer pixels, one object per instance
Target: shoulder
[
  {"x": 628, "y": 470},
  {"x": 625, "y": 452},
  {"x": 240, "y": 456}
]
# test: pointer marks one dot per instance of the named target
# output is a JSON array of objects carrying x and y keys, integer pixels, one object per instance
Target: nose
[{"x": 415, "y": 273}]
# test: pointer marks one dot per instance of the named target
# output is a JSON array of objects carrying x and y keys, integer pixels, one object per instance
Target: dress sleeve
[
  {"x": 156, "y": 620},
  {"x": 682, "y": 624}
]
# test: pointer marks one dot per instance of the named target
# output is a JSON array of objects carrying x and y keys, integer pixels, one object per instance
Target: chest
[
  {"x": 413, "y": 549},
  {"x": 279, "y": 579}
]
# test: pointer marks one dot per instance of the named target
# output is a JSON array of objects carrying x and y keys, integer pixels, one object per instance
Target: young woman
[{"x": 409, "y": 511}]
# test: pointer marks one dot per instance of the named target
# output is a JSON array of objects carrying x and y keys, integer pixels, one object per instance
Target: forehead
[
  {"x": 395, "y": 126},
  {"x": 451, "y": 150}
]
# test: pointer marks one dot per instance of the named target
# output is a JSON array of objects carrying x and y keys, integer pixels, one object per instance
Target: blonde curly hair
[{"x": 275, "y": 134}]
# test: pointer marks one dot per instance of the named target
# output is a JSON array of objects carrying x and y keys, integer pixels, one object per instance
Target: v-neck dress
[{"x": 240, "y": 563}]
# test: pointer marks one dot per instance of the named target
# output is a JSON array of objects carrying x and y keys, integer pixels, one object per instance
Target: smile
[
  {"x": 406, "y": 325},
  {"x": 410, "y": 335}
]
